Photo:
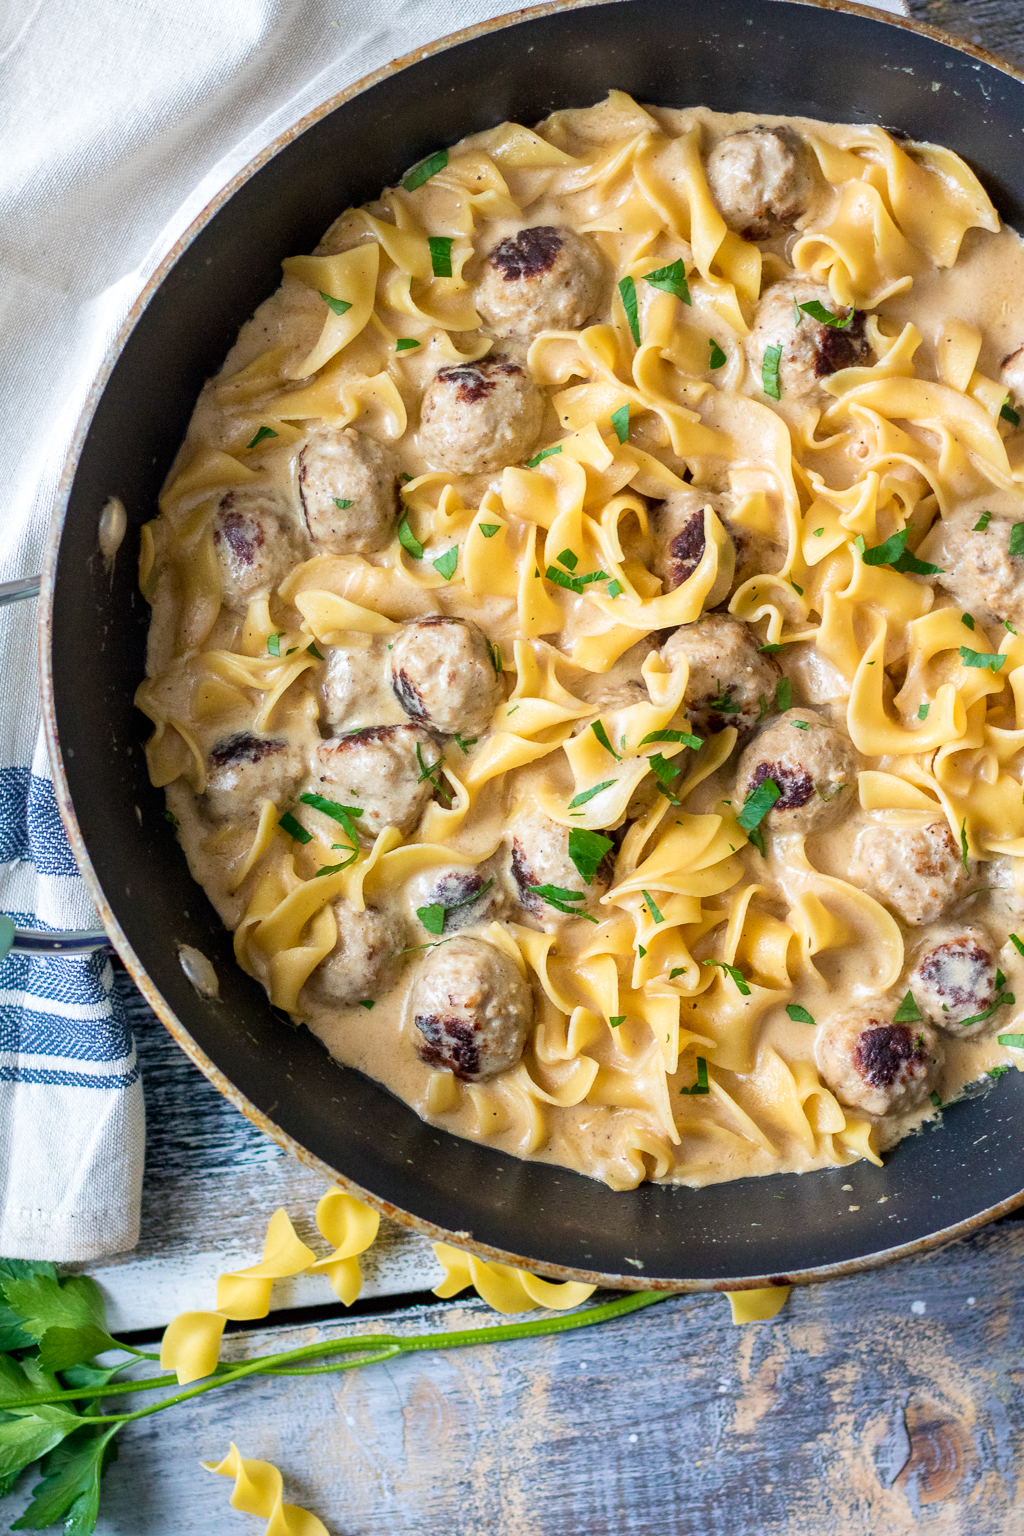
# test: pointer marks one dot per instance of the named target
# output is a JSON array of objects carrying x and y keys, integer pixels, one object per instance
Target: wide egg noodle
[{"x": 668, "y": 1039}]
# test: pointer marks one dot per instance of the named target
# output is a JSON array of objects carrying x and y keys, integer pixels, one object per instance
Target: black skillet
[{"x": 844, "y": 64}]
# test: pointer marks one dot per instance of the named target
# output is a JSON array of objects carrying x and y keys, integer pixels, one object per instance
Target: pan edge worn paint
[{"x": 844, "y": 64}]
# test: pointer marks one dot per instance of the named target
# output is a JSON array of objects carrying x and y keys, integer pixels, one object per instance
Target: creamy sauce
[{"x": 620, "y": 1129}]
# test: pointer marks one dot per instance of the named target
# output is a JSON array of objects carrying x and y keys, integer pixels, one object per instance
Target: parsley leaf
[
  {"x": 440, "y": 255},
  {"x": 817, "y": 311},
  {"x": 408, "y": 540},
  {"x": 288, "y": 824},
  {"x": 982, "y": 523},
  {"x": 367, "y": 1003},
  {"x": 274, "y": 643},
  {"x": 489, "y": 529},
  {"x": 652, "y": 908},
  {"x": 964, "y": 851},
  {"x": 446, "y": 564},
  {"x": 1015, "y": 1041},
  {"x": 758, "y": 803},
  {"x": 568, "y": 559},
  {"x": 588, "y": 794},
  {"x": 12, "y": 1334},
  {"x": 602, "y": 736},
  {"x": 614, "y": 588},
  {"x": 465, "y": 742},
  {"x": 545, "y": 453},
  {"x": 617, "y": 1019},
  {"x": 627, "y": 293},
  {"x": 559, "y": 898},
  {"x": 620, "y": 422},
  {"x": 338, "y": 306},
  {"x": 701, "y": 1085},
  {"x": 341, "y": 503},
  {"x": 734, "y": 972},
  {"x": 983, "y": 659},
  {"x": 68, "y": 1319},
  {"x": 1007, "y": 413},
  {"x": 908, "y": 1012},
  {"x": 967, "y": 620},
  {"x": 799, "y": 1015},
  {"x": 718, "y": 357},
  {"x": 1017, "y": 540},
  {"x": 587, "y": 850},
  {"x": 664, "y": 771},
  {"x": 406, "y": 343},
  {"x": 70, "y": 1489},
  {"x": 261, "y": 437},
  {"x": 922, "y": 711},
  {"x": 424, "y": 170},
  {"x": 577, "y": 584},
  {"x": 432, "y": 917},
  {"x": 671, "y": 279},
  {"x": 770, "y": 372},
  {"x": 1017, "y": 943},
  {"x": 1004, "y": 1000},
  {"x": 693, "y": 742}
]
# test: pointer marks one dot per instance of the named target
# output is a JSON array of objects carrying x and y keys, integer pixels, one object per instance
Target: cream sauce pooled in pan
[{"x": 585, "y": 664}]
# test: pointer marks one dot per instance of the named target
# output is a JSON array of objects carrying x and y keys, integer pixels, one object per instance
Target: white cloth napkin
[{"x": 119, "y": 120}]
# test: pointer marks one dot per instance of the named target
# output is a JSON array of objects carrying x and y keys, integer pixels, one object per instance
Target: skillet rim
[{"x": 199, "y": 1058}]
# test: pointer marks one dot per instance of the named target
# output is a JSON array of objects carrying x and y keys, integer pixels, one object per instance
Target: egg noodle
[{"x": 676, "y": 1011}]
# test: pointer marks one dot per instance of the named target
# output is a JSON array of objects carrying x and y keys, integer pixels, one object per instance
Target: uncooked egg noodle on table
[{"x": 584, "y": 660}]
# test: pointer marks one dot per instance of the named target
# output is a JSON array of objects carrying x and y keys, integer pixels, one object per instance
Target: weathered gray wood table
[{"x": 885, "y": 1404}]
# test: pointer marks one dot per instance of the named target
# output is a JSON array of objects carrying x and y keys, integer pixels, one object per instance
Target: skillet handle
[{"x": 32, "y": 941}]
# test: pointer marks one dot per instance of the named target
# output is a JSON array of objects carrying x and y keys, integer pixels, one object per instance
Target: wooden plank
[
  {"x": 992, "y": 24},
  {"x": 884, "y": 1405}
]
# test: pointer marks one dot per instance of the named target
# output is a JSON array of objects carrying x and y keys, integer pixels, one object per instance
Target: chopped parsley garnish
[
  {"x": 274, "y": 643},
  {"x": 614, "y": 588},
  {"x": 496, "y": 661},
  {"x": 261, "y": 437},
  {"x": 559, "y": 898},
  {"x": 345, "y": 816},
  {"x": 465, "y": 742},
  {"x": 405, "y": 479},
  {"x": 671, "y": 279},
  {"x": 818, "y": 532},
  {"x": 982, "y": 523},
  {"x": 997, "y": 1071},
  {"x": 545, "y": 453},
  {"x": 1017, "y": 943},
  {"x": 1016, "y": 1041},
  {"x": 936, "y": 1099},
  {"x": 783, "y": 694},
  {"x": 800, "y": 725},
  {"x": 963, "y": 842},
  {"x": 683, "y": 737},
  {"x": 641, "y": 951},
  {"x": 568, "y": 559},
  {"x": 1007, "y": 413},
  {"x": 724, "y": 705},
  {"x": 587, "y": 850},
  {"x": 922, "y": 711},
  {"x": 433, "y": 772},
  {"x": 817, "y": 311},
  {"x": 337, "y": 306},
  {"x": 577, "y": 584},
  {"x": 288, "y": 824},
  {"x": 406, "y": 343},
  {"x": 665, "y": 772},
  {"x": 339, "y": 501},
  {"x": 588, "y": 794},
  {"x": 796, "y": 589},
  {"x": 680, "y": 970},
  {"x": 440, "y": 255},
  {"x": 652, "y": 907},
  {"x": 627, "y": 293},
  {"x": 894, "y": 552},
  {"x": 1017, "y": 540},
  {"x": 757, "y": 804},
  {"x": 408, "y": 540},
  {"x": 312, "y": 650},
  {"x": 967, "y": 620},
  {"x": 718, "y": 357},
  {"x": 1004, "y": 1000},
  {"x": 908, "y": 1012},
  {"x": 617, "y": 1019},
  {"x": 489, "y": 529},
  {"x": 445, "y": 564},
  {"x": 602, "y": 736},
  {"x": 366, "y": 1002},
  {"x": 770, "y": 371},
  {"x": 424, "y": 170},
  {"x": 701, "y": 1085},
  {"x": 620, "y": 422},
  {"x": 826, "y": 791},
  {"x": 772, "y": 647},
  {"x": 171, "y": 819},
  {"x": 799, "y": 1015},
  {"x": 985, "y": 660},
  {"x": 734, "y": 972},
  {"x": 433, "y": 916}
]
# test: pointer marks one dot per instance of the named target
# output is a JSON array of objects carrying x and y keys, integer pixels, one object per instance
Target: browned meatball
[
  {"x": 479, "y": 417},
  {"x": 678, "y": 524},
  {"x": 955, "y": 977},
  {"x": 380, "y": 772},
  {"x": 443, "y": 676},
  {"x": 730, "y": 682},
  {"x": 539, "y": 856},
  {"x": 257, "y": 544},
  {"x": 811, "y": 762},
  {"x": 761, "y": 180},
  {"x": 472, "y": 1010},
  {"x": 917, "y": 871},
  {"x": 349, "y": 489},
  {"x": 365, "y": 960},
  {"x": 542, "y": 279},
  {"x": 468, "y": 896},
  {"x": 810, "y": 351},
  {"x": 874, "y": 1065},
  {"x": 978, "y": 570},
  {"x": 622, "y": 685},
  {"x": 244, "y": 770}
]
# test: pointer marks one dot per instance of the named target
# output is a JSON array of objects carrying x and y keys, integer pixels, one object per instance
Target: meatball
[
  {"x": 761, "y": 179},
  {"x": 443, "y": 676},
  {"x": 348, "y": 485},
  {"x": 468, "y": 895},
  {"x": 479, "y": 417},
  {"x": 539, "y": 856},
  {"x": 472, "y": 1010},
  {"x": 541, "y": 279},
  {"x": 622, "y": 685},
  {"x": 1012, "y": 373},
  {"x": 353, "y": 679},
  {"x": 730, "y": 682},
  {"x": 810, "y": 351},
  {"x": 679, "y": 544},
  {"x": 810, "y": 761},
  {"x": 243, "y": 770},
  {"x": 956, "y": 977},
  {"x": 978, "y": 570},
  {"x": 257, "y": 544},
  {"x": 381, "y": 771},
  {"x": 917, "y": 871},
  {"x": 365, "y": 960},
  {"x": 874, "y": 1065}
]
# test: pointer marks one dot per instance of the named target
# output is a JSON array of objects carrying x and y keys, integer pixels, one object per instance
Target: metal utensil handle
[{"x": 34, "y": 941}]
